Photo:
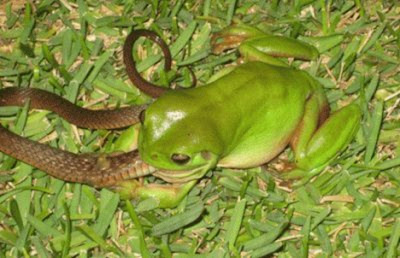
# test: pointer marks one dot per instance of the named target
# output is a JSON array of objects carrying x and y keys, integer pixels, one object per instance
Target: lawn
[{"x": 350, "y": 208}]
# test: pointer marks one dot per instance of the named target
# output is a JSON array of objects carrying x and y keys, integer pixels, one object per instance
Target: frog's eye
[
  {"x": 142, "y": 116},
  {"x": 180, "y": 159}
]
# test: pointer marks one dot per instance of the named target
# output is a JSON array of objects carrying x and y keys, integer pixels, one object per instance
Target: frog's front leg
[
  {"x": 168, "y": 196},
  {"x": 254, "y": 45},
  {"x": 318, "y": 138}
]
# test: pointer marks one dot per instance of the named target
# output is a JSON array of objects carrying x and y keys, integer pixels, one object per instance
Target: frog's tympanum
[{"x": 245, "y": 117}]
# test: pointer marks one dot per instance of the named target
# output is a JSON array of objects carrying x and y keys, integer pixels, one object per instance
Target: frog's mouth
[
  {"x": 183, "y": 176},
  {"x": 181, "y": 168}
]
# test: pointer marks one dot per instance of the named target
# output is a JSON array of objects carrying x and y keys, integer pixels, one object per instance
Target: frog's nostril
[{"x": 180, "y": 159}]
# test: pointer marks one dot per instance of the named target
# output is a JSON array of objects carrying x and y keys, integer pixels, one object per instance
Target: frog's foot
[
  {"x": 232, "y": 37},
  {"x": 168, "y": 196}
]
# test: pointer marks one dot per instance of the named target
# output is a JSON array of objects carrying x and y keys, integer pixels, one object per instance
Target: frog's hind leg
[{"x": 319, "y": 138}]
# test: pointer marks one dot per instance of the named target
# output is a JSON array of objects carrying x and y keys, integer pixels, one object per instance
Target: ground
[{"x": 73, "y": 48}]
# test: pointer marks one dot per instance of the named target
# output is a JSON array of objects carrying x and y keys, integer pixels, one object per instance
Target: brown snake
[{"x": 99, "y": 170}]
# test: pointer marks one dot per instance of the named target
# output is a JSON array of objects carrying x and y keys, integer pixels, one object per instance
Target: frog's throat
[{"x": 183, "y": 176}]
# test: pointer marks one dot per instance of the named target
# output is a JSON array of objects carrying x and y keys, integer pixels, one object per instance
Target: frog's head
[{"x": 176, "y": 136}]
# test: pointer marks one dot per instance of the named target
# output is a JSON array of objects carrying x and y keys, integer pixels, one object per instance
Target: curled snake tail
[
  {"x": 133, "y": 74},
  {"x": 85, "y": 118},
  {"x": 105, "y": 170}
]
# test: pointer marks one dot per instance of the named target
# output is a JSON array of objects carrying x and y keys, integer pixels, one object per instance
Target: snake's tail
[
  {"x": 85, "y": 118},
  {"x": 145, "y": 86},
  {"x": 104, "y": 170}
]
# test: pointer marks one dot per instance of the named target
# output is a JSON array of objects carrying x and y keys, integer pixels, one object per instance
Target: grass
[{"x": 350, "y": 209}]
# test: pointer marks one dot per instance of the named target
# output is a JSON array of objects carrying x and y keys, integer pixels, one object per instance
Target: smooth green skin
[{"x": 245, "y": 118}]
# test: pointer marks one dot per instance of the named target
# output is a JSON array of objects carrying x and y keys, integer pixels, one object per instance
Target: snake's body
[
  {"x": 85, "y": 118},
  {"x": 100, "y": 170},
  {"x": 96, "y": 170}
]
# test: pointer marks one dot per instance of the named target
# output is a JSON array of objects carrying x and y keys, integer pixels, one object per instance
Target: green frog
[{"x": 245, "y": 118}]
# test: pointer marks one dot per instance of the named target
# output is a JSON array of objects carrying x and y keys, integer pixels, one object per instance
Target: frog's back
[
  {"x": 252, "y": 111},
  {"x": 265, "y": 104},
  {"x": 268, "y": 80}
]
